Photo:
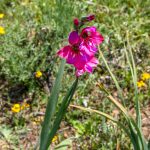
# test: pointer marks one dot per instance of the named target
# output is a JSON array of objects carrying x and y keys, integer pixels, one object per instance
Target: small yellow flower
[
  {"x": 1, "y": 16},
  {"x": 2, "y": 30},
  {"x": 16, "y": 108},
  {"x": 55, "y": 138},
  {"x": 141, "y": 84},
  {"x": 145, "y": 76},
  {"x": 38, "y": 74}
]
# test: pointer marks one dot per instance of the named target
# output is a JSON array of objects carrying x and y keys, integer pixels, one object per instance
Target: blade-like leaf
[
  {"x": 62, "y": 110},
  {"x": 134, "y": 72},
  {"x": 118, "y": 105},
  {"x": 113, "y": 77},
  {"x": 51, "y": 107},
  {"x": 140, "y": 135}
]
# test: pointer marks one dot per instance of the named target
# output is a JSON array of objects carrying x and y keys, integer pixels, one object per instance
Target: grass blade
[
  {"x": 113, "y": 77},
  {"x": 138, "y": 113},
  {"x": 140, "y": 136},
  {"x": 51, "y": 107}
]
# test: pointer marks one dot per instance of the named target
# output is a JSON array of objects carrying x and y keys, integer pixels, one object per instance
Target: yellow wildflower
[
  {"x": 16, "y": 108},
  {"x": 38, "y": 74},
  {"x": 1, "y": 16},
  {"x": 145, "y": 76},
  {"x": 2, "y": 31},
  {"x": 141, "y": 84},
  {"x": 55, "y": 138}
]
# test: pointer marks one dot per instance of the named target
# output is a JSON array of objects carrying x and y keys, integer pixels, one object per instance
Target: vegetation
[{"x": 31, "y": 32}]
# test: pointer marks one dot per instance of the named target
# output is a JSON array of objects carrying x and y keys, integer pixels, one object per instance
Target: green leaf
[
  {"x": 149, "y": 144},
  {"x": 51, "y": 107},
  {"x": 79, "y": 126},
  {"x": 134, "y": 76},
  {"x": 140, "y": 136},
  {"x": 61, "y": 112}
]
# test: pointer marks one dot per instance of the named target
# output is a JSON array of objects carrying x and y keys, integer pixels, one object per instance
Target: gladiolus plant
[{"x": 80, "y": 53}]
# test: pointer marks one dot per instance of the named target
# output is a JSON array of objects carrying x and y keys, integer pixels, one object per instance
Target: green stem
[
  {"x": 113, "y": 77},
  {"x": 138, "y": 113}
]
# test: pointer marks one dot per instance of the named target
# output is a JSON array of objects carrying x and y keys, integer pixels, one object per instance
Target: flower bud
[
  {"x": 90, "y": 17},
  {"x": 76, "y": 22},
  {"x": 87, "y": 18}
]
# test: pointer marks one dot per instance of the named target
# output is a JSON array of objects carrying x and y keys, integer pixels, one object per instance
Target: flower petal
[
  {"x": 91, "y": 35},
  {"x": 73, "y": 38},
  {"x": 98, "y": 38},
  {"x": 64, "y": 52},
  {"x": 79, "y": 72},
  {"x": 80, "y": 61},
  {"x": 91, "y": 64},
  {"x": 89, "y": 29},
  {"x": 71, "y": 57}
]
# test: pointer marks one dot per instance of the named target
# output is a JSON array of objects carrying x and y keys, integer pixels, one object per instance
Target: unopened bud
[
  {"x": 76, "y": 22},
  {"x": 87, "y": 18},
  {"x": 90, "y": 17}
]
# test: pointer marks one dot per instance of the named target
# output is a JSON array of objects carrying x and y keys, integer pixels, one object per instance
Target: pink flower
[
  {"x": 73, "y": 38},
  {"x": 72, "y": 52},
  {"x": 88, "y": 67},
  {"x": 90, "y": 39},
  {"x": 81, "y": 50}
]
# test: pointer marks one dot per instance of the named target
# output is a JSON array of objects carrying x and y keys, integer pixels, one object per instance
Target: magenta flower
[
  {"x": 90, "y": 39},
  {"x": 88, "y": 67},
  {"x": 81, "y": 50},
  {"x": 72, "y": 52},
  {"x": 73, "y": 38}
]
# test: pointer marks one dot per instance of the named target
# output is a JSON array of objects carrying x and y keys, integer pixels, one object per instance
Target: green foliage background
[{"x": 36, "y": 29}]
